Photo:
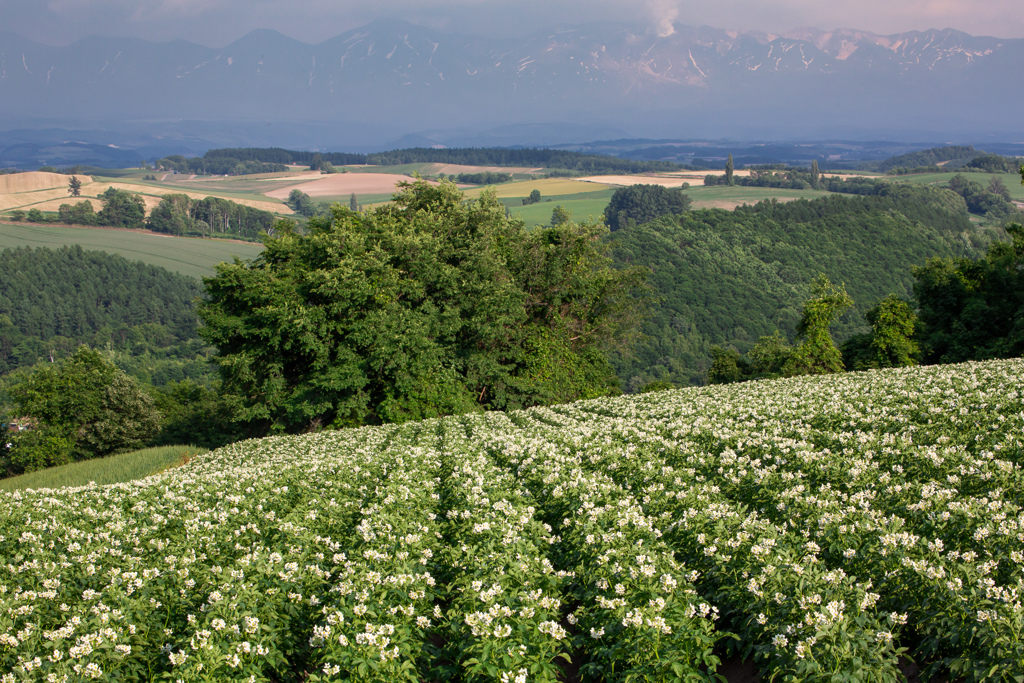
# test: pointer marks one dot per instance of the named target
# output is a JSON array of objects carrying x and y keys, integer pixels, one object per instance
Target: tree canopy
[
  {"x": 731, "y": 277},
  {"x": 817, "y": 353},
  {"x": 122, "y": 209},
  {"x": 53, "y": 300},
  {"x": 430, "y": 305},
  {"x": 891, "y": 342},
  {"x": 973, "y": 309},
  {"x": 643, "y": 203},
  {"x": 86, "y": 403}
]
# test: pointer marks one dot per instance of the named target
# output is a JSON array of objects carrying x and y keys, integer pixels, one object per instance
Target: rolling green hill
[
  {"x": 186, "y": 255},
  {"x": 728, "y": 278}
]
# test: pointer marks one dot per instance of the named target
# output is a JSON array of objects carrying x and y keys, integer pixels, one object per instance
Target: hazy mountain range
[{"x": 390, "y": 78}]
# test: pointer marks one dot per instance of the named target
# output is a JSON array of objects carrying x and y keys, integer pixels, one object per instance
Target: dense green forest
[
  {"x": 731, "y": 277},
  {"x": 217, "y": 165},
  {"x": 222, "y": 159},
  {"x": 51, "y": 301}
]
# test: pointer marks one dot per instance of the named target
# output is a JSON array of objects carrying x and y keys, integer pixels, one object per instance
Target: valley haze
[{"x": 392, "y": 82}]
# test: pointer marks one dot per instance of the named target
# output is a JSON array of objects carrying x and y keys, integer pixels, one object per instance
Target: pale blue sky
[{"x": 218, "y": 22}]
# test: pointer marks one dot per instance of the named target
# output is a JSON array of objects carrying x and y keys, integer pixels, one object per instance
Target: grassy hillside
[
  {"x": 1011, "y": 180},
  {"x": 818, "y": 525},
  {"x": 114, "y": 469},
  {"x": 188, "y": 256}
]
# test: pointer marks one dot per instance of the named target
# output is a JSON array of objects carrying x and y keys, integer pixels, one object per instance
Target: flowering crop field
[{"x": 824, "y": 527}]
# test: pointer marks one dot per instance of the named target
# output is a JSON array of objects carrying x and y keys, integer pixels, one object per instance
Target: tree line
[
  {"x": 483, "y": 156},
  {"x": 179, "y": 214},
  {"x": 216, "y": 165},
  {"x": 784, "y": 177},
  {"x": 176, "y": 214}
]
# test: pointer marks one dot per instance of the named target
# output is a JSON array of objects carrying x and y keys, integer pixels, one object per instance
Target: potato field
[{"x": 825, "y": 528}]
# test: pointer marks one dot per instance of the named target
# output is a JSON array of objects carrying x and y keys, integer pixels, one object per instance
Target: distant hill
[
  {"x": 414, "y": 78},
  {"x": 487, "y": 156},
  {"x": 727, "y": 278}
]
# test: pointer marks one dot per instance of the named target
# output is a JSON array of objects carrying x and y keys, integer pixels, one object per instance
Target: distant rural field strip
[
  {"x": 719, "y": 197},
  {"x": 185, "y": 255},
  {"x": 47, "y": 191},
  {"x": 35, "y": 180},
  {"x": 344, "y": 183},
  {"x": 434, "y": 169},
  {"x": 548, "y": 187},
  {"x": 626, "y": 180}
]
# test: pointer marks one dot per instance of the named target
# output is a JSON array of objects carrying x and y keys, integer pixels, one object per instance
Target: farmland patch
[{"x": 825, "y": 522}]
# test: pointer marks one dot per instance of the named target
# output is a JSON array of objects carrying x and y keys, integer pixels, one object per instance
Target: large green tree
[
  {"x": 89, "y": 403},
  {"x": 122, "y": 209},
  {"x": 428, "y": 306},
  {"x": 79, "y": 213},
  {"x": 172, "y": 215},
  {"x": 301, "y": 203},
  {"x": 973, "y": 309},
  {"x": 816, "y": 353},
  {"x": 891, "y": 343}
]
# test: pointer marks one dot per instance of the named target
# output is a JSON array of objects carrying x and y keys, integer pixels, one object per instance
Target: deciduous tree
[
  {"x": 892, "y": 341},
  {"x": 643, "y": 203},
  {"x": 428, "y": 306},
  {"x": 122, "y": 209},
  {"x": 817, "y": 353},
  {"x": 89, "y": 402}
]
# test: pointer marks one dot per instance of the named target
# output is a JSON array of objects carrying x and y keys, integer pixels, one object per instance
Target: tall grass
[{"x": 113, "y": 469}]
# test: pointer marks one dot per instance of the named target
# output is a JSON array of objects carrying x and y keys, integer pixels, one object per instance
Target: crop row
[{"x": 825, "y": 528}]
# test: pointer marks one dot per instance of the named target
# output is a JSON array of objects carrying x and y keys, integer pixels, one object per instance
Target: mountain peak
[{"x": 416, "y": 78}]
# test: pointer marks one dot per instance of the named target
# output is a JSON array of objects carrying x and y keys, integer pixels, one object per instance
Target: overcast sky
[{"x": 216, "y": 23}]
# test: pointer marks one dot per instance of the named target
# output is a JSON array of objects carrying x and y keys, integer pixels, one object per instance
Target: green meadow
[
  {"x": 186, "y": 255},
  {"x": 582, "y": 208},
  {"x": 725, "y": 197},
  {"x": 1011, "y": 180},
  {"x": 114, "y": 469}
]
